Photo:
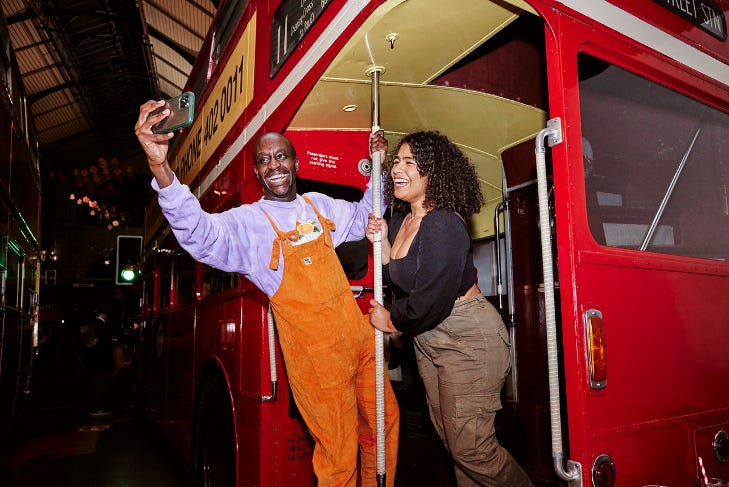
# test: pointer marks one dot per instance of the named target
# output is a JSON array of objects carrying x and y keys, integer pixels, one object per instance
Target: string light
[{"x": 96, "y": 187}]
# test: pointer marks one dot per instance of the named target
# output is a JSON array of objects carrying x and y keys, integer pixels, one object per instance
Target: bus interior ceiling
[{"x": 478, "y": 78}]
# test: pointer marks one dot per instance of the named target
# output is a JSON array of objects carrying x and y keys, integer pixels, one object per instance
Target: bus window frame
[
  {"x": 165, "y": 275},
  {"x": 658, "y": 69},
  {"x": 183, "y": 259},
  {"x": 13, "y": 273},
  {"x": 206, "y": 67}
]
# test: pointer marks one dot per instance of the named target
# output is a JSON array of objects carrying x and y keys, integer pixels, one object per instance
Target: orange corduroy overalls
[{"x": 328, "y": 347}]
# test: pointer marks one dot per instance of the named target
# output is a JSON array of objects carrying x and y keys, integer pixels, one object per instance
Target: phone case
[{"x": 182, "y": 111}]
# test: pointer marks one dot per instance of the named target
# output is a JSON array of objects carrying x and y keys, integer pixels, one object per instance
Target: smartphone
[{"x": 182, "y": 111}]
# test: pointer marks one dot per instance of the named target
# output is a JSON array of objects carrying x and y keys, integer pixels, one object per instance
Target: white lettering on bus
[
  {"x": 322, "y": 160},
  {"x": 710, "y": 19},
  {"x": 301, "y": 26},
  {"x": 687, "y": 6}
]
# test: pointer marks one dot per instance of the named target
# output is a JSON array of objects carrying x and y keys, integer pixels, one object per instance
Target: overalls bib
[{"x": 328, "y": 349}]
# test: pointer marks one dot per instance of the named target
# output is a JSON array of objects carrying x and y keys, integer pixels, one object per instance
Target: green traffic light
[
  {"x": 128, "y": 257},
  {"x": 128, "y": 274}
]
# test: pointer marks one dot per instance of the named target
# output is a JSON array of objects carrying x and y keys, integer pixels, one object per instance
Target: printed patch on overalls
[
  {"x": 307, "y": 231},
  {"x": 307, "y": 261}
]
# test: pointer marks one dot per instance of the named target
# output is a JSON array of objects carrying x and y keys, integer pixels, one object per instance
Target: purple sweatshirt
[{"x": 241, "y": 239}]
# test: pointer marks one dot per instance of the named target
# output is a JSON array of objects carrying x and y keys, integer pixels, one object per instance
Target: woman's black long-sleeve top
[{"x": 437, "y": 270}]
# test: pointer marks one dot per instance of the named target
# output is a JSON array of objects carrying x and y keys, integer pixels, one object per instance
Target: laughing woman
[{"x": 461, "y": 343}]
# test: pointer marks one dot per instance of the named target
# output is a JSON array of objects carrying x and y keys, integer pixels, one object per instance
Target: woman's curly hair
[{"x": 452, "y": 179}]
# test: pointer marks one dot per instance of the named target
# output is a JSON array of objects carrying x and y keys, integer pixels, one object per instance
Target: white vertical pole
[{"x": 377, "y": 257}]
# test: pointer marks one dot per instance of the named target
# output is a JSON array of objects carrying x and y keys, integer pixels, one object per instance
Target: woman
[{"x": 461, "y": 343}]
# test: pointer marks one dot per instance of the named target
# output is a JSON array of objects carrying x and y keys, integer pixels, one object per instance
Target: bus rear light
[
  {"x": 596, "y": 349},
  {"x": 603, "y": 471}
]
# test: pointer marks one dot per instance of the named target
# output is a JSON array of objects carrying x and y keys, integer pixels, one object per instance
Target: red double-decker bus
[
  {"x": 600, "y": 133},
  {"x": 20, "y": 252}
]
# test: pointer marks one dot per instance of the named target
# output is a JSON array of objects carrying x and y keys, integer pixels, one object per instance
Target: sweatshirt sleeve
[
  {"x": 222, "y": 240},
  {"x": 443, "y": 244}
]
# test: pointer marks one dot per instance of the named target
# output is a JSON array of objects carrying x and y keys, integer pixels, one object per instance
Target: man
[
  {"x": 327, "y": 343},
  {"x": 97, "y": 359}
]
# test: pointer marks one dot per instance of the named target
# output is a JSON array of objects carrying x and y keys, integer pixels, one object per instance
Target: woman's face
[{"x": 409, "y": 185}]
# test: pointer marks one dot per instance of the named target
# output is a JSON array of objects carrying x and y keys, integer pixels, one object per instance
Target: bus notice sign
[
  {"x": 700, "y": 13},
  {"x": 289, "y": 25}
]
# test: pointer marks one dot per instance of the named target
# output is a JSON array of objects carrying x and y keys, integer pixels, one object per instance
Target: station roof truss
[{"x": 87, "y": 65}]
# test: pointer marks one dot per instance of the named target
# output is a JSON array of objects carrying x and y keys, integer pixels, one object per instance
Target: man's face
[{"x": 276, "y": 166}]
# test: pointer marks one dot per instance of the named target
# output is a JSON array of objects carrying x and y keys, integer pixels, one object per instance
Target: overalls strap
[
  {"x": 285, "y": 237},
  {"x": 324, "y": 220},
  {"x": 293, "y": 235}
]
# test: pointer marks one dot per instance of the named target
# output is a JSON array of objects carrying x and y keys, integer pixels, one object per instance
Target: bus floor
[{"x": 422, "y": 459}]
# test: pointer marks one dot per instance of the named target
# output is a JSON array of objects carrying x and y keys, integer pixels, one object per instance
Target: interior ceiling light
[{"x": 349, "y": 108}]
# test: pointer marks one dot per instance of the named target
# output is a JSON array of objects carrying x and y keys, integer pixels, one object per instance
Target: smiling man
[
  {"x": 275, "y": 166},
  {"x": 312, "y": 302}
]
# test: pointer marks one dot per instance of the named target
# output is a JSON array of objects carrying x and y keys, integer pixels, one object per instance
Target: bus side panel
[
  {"x": 180, "y": 377},
  {"x": 664, "y": 376},
  {"x": 663, "y": 18},
  {"x": 285, "y": 446},
  {"x": 156, "y": 333},
  {"x": 272, "y": 445},
  {"x": 218, "y": 340},
  {"x": 332, "y": 156},
  {"x": 662, "y": 314},
  {"x": 13, "y": 366}
]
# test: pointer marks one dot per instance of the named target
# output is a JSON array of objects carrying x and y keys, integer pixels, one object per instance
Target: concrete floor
[
  {"x": 64, "y": 448},
  {"x": 57, "y": 444}
]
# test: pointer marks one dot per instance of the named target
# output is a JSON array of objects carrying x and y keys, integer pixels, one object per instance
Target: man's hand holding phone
[
  {"x": 155, "y": 146},
  {"x": 181, "y": 112}
]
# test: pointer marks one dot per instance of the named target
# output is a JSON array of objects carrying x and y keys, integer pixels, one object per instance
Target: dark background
[{"x": 86, "y": 66}]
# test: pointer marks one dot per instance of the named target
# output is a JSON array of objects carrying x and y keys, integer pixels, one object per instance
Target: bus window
[
  {"x": 655, "y": 165},
  {"x": 224, "y": 28},
  {"x": 148, "y": 293},
  {"x": 3, "y": 250},
  {"x": 185, "y": 278},
  {"x": 30, "y": 295},
  {"x": 484, "y": 258},
  {"x": 12, "y": 277},
  {"x": 5, "y": 60},
  {"x": 221, "y": 34},
  {"x": 3, "y": 265},
  {"x": 165, "y": 281},
  {"x": 217, "y": 281}
]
